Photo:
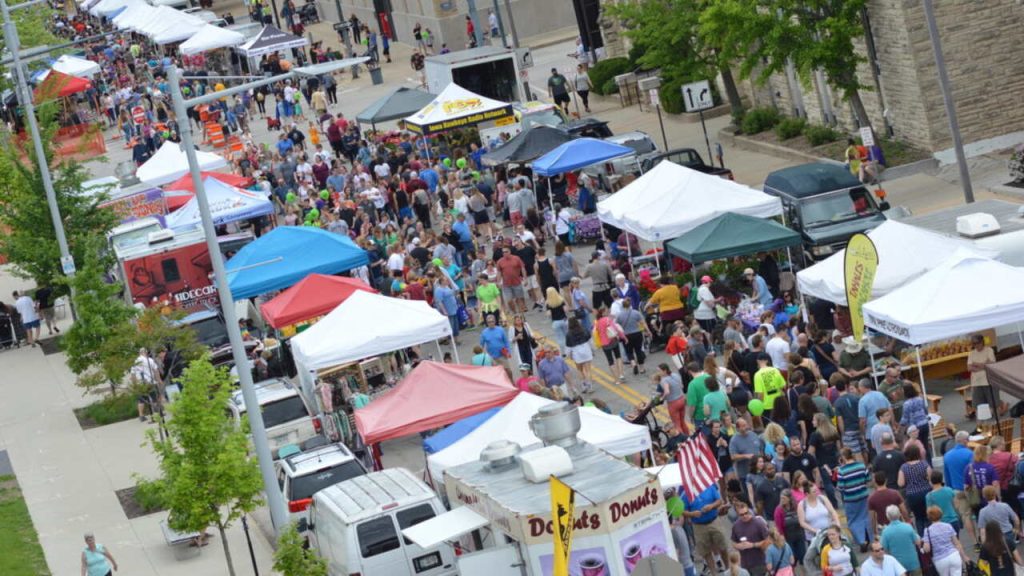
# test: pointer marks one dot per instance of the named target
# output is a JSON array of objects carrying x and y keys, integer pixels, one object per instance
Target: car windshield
[
  {"x": 547, "y": 117},
  {"x": 283, "y": 411},
  {"x": 211, "y": 332},
  {"x": 305, "y": 486},
  {"x": 837, "y": 207}
]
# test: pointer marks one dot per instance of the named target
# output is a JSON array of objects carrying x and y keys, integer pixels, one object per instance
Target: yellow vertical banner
[
  {"x": 562, "y": 517},
  {"x": 859, "y": 265}
]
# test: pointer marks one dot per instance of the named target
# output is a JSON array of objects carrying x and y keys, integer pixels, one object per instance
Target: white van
[{"x": 355, "y": 526}]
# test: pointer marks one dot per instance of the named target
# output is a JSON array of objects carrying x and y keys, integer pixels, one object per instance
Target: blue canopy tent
[
  {"x": 457, "y": 430},
  {"x": 576, "y": 154},
  {"x": 285, "y": 255}
]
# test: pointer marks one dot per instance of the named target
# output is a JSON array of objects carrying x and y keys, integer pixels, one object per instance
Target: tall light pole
[
  {"x": 67, "y": 262},
  {"x": 275, "y": 500},
  {"x": 947, "y": 97}
]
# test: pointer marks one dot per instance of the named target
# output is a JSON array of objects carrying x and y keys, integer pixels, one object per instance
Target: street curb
[
  {"x": 727, "y": 136},
  {"x": 926, "y": 166},
  {"x": 1007, "y": 190},
  {"x": 694, "y": 117},
  {"x": 546, "y": 40}
]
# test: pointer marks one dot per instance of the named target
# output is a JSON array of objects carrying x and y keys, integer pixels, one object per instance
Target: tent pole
[
  {"x": 455, "y": 351},
  {"x": 440, "y": 354},
  {"x": 1020, "y": 336},
  {"x": 924, "y": 392}
]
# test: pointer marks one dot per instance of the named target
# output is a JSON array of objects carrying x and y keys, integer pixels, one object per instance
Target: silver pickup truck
[{"x": 287, "y": 417}]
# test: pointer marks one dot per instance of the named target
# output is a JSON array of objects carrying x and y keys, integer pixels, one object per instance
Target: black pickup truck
[{"x": 684, "y": 157}]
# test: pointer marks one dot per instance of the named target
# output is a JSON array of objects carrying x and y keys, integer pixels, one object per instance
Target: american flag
[{"x": 697, "y": 466}]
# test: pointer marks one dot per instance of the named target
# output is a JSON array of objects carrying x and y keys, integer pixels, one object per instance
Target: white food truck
[{"x": 620, "y": 517}]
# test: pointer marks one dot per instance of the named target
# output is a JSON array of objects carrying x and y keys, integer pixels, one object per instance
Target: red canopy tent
[
  {"x": 183, "y": 190},
  {"x": 60, "y": 85},
  {"x": 431, "y": 396},
  {"x": 315, "y": 295}
]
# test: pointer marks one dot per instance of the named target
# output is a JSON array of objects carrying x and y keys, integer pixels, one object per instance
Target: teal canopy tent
[{"x": 731, "y": 235}]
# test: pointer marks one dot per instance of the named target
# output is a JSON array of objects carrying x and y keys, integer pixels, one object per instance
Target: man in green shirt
[
  {"x": 695, "y": 394},
  {"x": 768, "y": 382},
  {"x": 487, "y": 294}
]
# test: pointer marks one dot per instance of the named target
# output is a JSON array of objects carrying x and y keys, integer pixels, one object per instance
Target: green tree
[
  {"x": 814, "y": 34},
  {"x": 207, "y": 476},
  {"x": 27, "y": 236},
  {"x": 103, "y": 319},
  {"x": 666, "y": 35},
  {"x": 294, "y": 559}
]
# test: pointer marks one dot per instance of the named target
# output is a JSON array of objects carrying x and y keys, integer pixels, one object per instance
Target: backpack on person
[
  {"x": 792, "y": 529},
  {"x": 1017, "y": 480}
]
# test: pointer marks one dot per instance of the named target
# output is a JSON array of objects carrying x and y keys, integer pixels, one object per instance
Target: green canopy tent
[{"x": 731, "y": 235}]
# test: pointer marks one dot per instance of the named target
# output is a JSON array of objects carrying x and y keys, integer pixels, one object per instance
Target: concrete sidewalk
[{"x": 69, "y": 476}]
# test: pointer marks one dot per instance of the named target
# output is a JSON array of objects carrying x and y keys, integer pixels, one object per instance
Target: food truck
[
  {"x": 620, "y": 515},
  {"x": 169, "y": 269}
]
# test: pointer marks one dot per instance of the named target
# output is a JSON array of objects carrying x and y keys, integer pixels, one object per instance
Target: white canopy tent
[
  {"x": 186, "y": 28},
  {"x": 76, "y": 66},
  {"x": 456, "y": 107},
  {"x": 610, "y": 433},
  {"x": 671, "y": 200},
  {"x": 134, "y": 13},
  {"x": 170, "y": 163},
  {"x": 366, "y": 325},
  {"x": 107, "y": 7},
  {"x": 210, "y": 37},
  {"x": 271, "y": 39},
  {"x": 227, "y": 204},
  {"x": 964, "y": 294},
  {"x": 905, "y": 252}
]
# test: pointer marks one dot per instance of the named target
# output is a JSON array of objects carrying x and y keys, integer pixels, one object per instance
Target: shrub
[
  {"x": 605, "y": 71},
  {"x": 790, "y": 128},
  {"x": 113, "y": 408},
  {"x": 609, "y": 88},
  {"x": 758, "y": 120},
  {"x": 818, "y": 135}
]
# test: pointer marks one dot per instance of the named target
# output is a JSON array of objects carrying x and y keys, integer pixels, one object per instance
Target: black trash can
[{"x": 376, "y": 75}]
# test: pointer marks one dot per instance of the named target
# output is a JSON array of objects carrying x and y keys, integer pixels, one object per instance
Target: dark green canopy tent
[
  {"x": 731, "y": 235},
  {"x": 400, "y": 103}
]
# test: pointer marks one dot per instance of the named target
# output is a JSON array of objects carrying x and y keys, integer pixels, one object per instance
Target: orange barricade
[{"x": 215, "y": 133}]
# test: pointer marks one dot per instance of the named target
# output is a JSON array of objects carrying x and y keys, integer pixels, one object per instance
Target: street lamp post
[
  {"x": 275, "y": 500},
  {"x": 25, "y": 97}
]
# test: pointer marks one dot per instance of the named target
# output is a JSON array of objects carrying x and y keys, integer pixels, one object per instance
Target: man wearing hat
[
  {"x": 854, "y": 360},
  {"x": 705, "y": 312},
  {"x": 761, "y": 292}
]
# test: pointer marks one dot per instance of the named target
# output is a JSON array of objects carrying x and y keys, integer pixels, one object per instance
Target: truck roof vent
[
  {"x": 160, "y": 236},
  {"x": 977, "y": 225},
  {"x": 541, "y": 464},
  {"x": 556, "y": 424},
  {"x": 500, "y": 455}
]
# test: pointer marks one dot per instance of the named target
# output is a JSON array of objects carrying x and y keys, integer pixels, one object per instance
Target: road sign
[
  {"x": 655, "y": 98},
  {"x": 867, "y": 137},
  {"x": 68, "y": 265},
  {"x": 697, "y": 96}
]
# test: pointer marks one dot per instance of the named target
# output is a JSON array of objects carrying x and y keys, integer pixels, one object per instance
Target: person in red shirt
[
  {"x": 513, "y": 272},
  {"x": 470, "y": 31}
]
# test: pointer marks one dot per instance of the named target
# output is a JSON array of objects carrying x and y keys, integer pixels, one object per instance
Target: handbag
[
  {"x": 927, "y": 565},
  {"x": 786, "y": 570}
]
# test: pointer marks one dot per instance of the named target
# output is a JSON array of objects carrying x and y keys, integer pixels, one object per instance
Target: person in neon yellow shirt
[
  {"x": 768, "y": 382},
  {"x": 488, "y": 297}
]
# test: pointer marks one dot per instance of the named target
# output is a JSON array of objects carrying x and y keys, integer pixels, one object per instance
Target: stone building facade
[
  {"x": 981, "y": 42},
  {"x": 446, "y": 19}
]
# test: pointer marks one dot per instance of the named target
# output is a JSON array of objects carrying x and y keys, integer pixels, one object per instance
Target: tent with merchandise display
[
  {"x": 432, "y": 395},
  {"x": 670, "y": 200},
  {"x": 227, "y": 204},
  {"x": 606, "y": 431},
  {"x": 170, "y": 163},
  {"x": 964, "y": 294},
  {"x": 905, "y": 252},
  {"x": 385, "y": 324},
  {"x": 456, "y": 107},
  {"x": 285, "y": 255}
]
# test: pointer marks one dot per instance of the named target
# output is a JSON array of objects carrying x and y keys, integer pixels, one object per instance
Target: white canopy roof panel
[
  {"x": 210, "y": 37},
  {"x": 670, "y": 200},
  {"x": 962, "y": 295},
  {"x": 384, "y": 324},
  {"x": 904, "y": 253},
  {"x": 456, "y": 107},
  {"x": 610, "y": 433},
  {"x": 170, "y": 163},
  {"x": 76, "y": 66}
]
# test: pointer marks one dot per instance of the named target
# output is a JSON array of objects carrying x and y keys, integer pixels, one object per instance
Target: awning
[
  {"x": 287, "y": 254},
  {"x": 271, "y": 39},
  {"x": 60, "y": 85},
  {"x": 314, "y": 296},
  {"x": 528, "y": 145},
  {"x": 400, "y": 103},
  {"x": 210, "y": 37},
  {"x": 445, "y": 527},
  {"x": 1007, "y": 376},
  {"x": 577, "y": 154},
  {"x": 170, "y": 163},
  {"x": 227, "y": 204},
  {"x": 454, "y": 432},
  {"x": 731, "y": 235},
  {"x": 456, "y": 107}
]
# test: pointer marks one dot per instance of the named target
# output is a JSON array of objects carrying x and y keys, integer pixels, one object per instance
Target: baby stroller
[
  {"x": 645, "y": 417},
  {"x": 273, "y": 123},
  {"x": 308, "y": 13}
]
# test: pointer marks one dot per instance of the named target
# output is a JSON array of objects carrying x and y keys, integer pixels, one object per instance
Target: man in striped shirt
[{"x": 853, "y": 485}]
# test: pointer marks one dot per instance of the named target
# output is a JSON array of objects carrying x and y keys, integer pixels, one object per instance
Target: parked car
[
  {"x": 304, "y": 474},
  {"x": 610, "y": 173},
  {"x": 685, "y": 157},
  {"x": 588, "y": 128},
  {"x": 826, "y": 204},
  {"x": 356, "y": 526},
  {"x": 287, "y": 416}
]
